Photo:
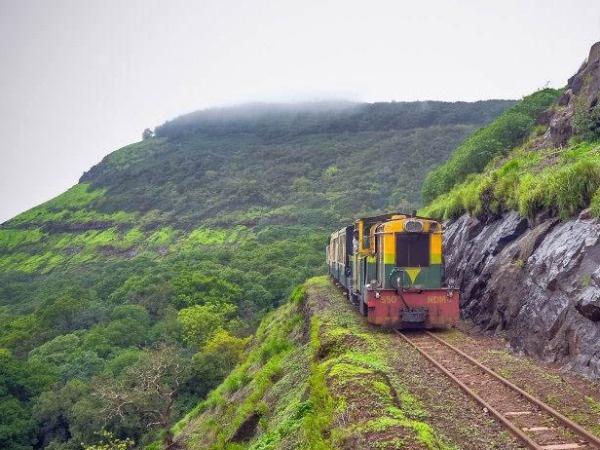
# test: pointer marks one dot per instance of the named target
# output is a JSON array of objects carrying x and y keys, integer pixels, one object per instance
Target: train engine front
[{"x": 393, "y": 270}]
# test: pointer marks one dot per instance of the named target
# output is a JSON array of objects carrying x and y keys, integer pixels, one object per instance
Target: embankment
[{"x": 317, "y": 376}]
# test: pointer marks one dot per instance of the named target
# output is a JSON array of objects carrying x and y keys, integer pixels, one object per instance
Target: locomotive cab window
[{"x": 412, "y": 249}]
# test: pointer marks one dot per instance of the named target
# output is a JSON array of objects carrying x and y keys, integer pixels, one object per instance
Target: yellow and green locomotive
[{"x": 392, "y": 267}]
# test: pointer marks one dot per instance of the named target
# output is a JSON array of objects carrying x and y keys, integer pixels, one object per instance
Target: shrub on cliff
[
  {"x": 495, "y": 139},
  {"x": 561, "y": 182}
]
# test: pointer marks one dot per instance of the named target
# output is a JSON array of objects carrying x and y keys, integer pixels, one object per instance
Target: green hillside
[
  {"x": 316, "y": 377},
  {"x": 493, "y": 141},
  {"x": 160, "y": 263},
  {"x": 541, "y": 157},
  {"x": 525, "y": 173}
]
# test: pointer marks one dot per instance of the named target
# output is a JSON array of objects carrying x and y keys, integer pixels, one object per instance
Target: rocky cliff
[
  {"x": 523, "y": 241},
  {"x": 581, "y": 94},
  {"x": 538, "y": 284}
]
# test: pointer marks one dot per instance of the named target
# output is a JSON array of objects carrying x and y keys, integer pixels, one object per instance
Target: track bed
[{"x": 533, "y": 422}]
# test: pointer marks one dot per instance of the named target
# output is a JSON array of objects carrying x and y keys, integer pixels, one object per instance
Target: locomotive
[{"x": 391, "y": 266}]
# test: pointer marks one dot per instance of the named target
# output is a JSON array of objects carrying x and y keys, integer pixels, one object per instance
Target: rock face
[
  {"x": 540, "y": 285},
  {"x": 581, "y": 92}
]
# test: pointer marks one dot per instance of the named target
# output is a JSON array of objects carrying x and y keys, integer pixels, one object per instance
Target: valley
[{"x": 179, "y": 244}]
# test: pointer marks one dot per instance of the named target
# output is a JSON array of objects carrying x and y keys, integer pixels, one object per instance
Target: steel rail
[
  {"x": 578, "y": 429},
  {"x": 507, "y": 423}
]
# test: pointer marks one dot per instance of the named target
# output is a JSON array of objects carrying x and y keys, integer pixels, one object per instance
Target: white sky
[{"x": 80, "y": 78}]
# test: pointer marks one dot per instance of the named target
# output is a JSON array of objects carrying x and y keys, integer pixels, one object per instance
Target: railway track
[{"x": 536, "y": 424}]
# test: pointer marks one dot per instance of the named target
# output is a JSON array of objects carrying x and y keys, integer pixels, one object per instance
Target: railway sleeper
[{"x": 538, "y": 425}]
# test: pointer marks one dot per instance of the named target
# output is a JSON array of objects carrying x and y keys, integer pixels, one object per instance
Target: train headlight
[
  {"x": 450, "y": 293},
  {"x": 413, "y": 226},
  {"x": 377, "y": 295}
]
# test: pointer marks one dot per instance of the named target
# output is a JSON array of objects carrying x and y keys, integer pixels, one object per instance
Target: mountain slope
[
  {"x": 551, "y": 168},
  {"x": 317, "y": 376},
  {"x": 180, "y": 243},
  {"x": 523, "y": 238}
]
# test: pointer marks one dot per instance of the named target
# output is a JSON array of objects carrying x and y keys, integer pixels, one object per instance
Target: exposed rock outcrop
[
  {"x": 540, "y": 285},
  {"x": 581, "y": 92}
]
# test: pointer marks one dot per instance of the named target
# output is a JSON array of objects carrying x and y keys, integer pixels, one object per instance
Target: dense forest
[{"x": 130, "y": 296}]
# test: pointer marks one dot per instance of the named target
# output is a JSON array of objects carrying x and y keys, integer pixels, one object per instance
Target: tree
[
  {"x": 54, "y": 413},
  {"x": 110, "y": 442},
  {"x": 147, "y": 134},
  {"x": 217, "y": 358},
  {"x": 128, "y": 328},
  {"x": 197, "y": 288},
  {"x": 67, "y": 314},
  {"x": 199, "y": 322},
  {"x": 64, "y": 354},
  {"x": 20, "y": 383},
  {"x": 146, "y": 391}
]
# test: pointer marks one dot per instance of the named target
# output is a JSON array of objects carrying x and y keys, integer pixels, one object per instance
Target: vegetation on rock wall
[
  {"x": 557, "y": 182},
  {"x": 540, "y": 157},
  {"x": 492, "y": 141}
]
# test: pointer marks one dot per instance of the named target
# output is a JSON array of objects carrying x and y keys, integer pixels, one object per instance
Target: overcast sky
[{"x": 81, "y": 78}]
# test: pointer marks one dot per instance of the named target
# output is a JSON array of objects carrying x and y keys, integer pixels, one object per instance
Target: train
[{"x": 391, "y": 267}]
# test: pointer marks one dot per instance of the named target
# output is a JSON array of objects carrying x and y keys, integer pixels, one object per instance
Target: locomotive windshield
[{"x": 412, "y": 249}]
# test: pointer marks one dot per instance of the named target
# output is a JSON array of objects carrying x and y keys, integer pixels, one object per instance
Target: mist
[{"x": 81, "y": 79}]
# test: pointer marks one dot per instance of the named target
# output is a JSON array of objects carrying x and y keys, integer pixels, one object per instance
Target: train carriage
[{"x": 391, "y": 266}]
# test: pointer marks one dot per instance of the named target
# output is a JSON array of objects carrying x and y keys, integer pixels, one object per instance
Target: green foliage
[
  {"x": 195, "y": 288},
  {"x": 65, "y": 356},
  {"x": 110, "y": 442},
  {"x": 219, "y": 355},
  {"x": 161, "y": 237},
  {"x": 494, "y": 140},
  {"x": 128, "y": 327},
  {"x": 143, "y": 396},
  {"x": 199, "y": 322},
  {"x": 11, "y": 239},
  {"x": 20, "y": 383},
  {"x": 586, "y": 120},
  {"x": 595, "y": 204},
  {"x": 187, "y": 239},
  {"x": 73, "y": 206},
  {"x": 65, "y": 411},
  {"x": 530, "y": 183},
  {"x": 571, "y": 187}
]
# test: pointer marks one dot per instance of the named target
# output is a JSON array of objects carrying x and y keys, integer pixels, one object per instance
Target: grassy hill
[
  {"x": 540, "y": 158},
  {"x": 160, "y": 263}
]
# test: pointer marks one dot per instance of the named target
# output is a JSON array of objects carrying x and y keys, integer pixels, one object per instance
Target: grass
[
  {"x": 75, "y": 206},
  {"x": 20, "y": 250},
  {"x": 318, "y": 379},
  {"x": 489, "y": 142},
  {"x": 560, "y": 181},
  {"x": 10, "y": 239},
  {"x": 161, "y": 237}
]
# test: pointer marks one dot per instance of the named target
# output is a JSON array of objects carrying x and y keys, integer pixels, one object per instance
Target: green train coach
[{"x": 391, "y": 266}]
